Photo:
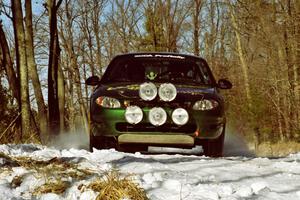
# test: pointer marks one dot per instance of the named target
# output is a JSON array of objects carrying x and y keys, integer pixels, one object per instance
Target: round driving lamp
[
  {"x": 133, "y": 114},
  {"x": 148, "y": 91},
  {"x": 167, "y": 92},
  {"x": 180, "y": 116},
  {"x": 157, "y": 116}
]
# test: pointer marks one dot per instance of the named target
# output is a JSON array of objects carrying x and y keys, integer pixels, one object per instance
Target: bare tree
[
  {"x": 196, "y": 25},
  {"x": 164, "y": 21},
  {"x": 124, "y": 18},
  {"x": 8, "y": 65},
  {"x": 241, "y": 56},
  {"x": 33, "y": 74},
  {"x": 53, "y": 68},
  {"x": 74, "y": 68},
  {"x": 23, "y": 69}
]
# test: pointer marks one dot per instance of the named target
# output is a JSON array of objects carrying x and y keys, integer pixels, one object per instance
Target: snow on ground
[{"x": 164, "y": 177}]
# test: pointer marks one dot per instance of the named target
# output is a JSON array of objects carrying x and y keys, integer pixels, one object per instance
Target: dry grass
[
  {"x": 111, "y": 186},
  {"x": 55, "y": 167},
  {"x": 114, "y": 187},
  {"x": 56, "y": 186},
  {"x": 277, "y": 149},
  {"x": 12, "y": 134},
  {"x": 17, "y": 181}
]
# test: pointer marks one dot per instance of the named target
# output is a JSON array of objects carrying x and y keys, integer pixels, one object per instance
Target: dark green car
[{"x": 157, "y": 99}]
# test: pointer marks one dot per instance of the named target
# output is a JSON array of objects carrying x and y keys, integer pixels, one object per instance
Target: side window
[{"x": 204, "y": 73}]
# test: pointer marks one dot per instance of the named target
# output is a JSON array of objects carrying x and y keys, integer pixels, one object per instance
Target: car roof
[{"x": 150, "y": 54}]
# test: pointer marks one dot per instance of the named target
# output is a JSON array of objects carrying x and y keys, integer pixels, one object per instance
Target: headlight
[
  {"x": 180, "y": 116},
  {"x": 157, "y": 116},
  {"x": 133, "y": 114},
  {"x": 167, "y": 92},
  {"x": 108, "y": 102},
  {"x": 148, "y": 91},
  {"x": 205, "y": 104}
]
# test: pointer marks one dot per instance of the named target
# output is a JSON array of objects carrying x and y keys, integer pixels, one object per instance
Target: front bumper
[
  {"x": 201, "y": 125},
  {"x": 168, "y": 140}
]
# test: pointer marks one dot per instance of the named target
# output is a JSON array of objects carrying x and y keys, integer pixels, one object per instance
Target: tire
[
  {"x": 102, "y": 142},
  {"x": 214, "y": 147}
]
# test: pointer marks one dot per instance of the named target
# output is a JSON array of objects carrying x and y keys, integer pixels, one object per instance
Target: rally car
[{"x": 157, "y": 99}]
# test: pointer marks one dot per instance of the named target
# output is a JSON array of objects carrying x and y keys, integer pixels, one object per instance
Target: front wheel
[
  {"x": 102, "y": 142},
  {"x": 213, "y": 147}
]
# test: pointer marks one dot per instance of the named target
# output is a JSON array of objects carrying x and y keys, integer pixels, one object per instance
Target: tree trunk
[
  {"x": 281, "y": 93},
  {"x": 70, "y": 100},
  {"x": 98, "y": 6},
  {"x": 54, "y": 52},
  {"x": 22, "y": 63},
  {"x": 83, "y": 110},
  {"x": 61, "y": 98},
  {"x": 291, "y": 80},
  {"x": 286, "y": 117},
  {"x": 196, "y": 22},
  {"x": 293, "y": 63},
  {"x": 75, "y": 66},
  {"x": 78, "y": 88},
  {"x": 279, "y": 121},
  {"x": 13, "y": 80},
  {"x": 98, "y": 51},
  {"x": 242, "y": 58},
  {"x": 84, "y": 78},
  {"x": 297, "y": 54},
  {"x": 42, "y": 110}
]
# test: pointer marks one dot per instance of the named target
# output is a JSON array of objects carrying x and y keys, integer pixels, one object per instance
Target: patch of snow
[
  {"x": 225, "y": 191},
  {"x": 50, "y": 196},
  {"x": 244, "y": 191},
  {"x": 258, "y": 186},
  {"x": 88, "y": 195},
  {"x": 163, "y": 177},
  {"x": 46, "y": 154}
]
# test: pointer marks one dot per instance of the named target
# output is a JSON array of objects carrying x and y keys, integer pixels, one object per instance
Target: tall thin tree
[
  {"x": 33, "y": 74},
  {"x": 53, "y": 68},
  {"x": 23, "y": 69}
]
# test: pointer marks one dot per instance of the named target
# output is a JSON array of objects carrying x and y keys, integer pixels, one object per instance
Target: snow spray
[{"x": 235, "y": 145}]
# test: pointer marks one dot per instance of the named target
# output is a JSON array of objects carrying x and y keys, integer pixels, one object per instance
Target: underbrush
[
  {"x": 59, "y": 175},
  {"x": 112, "y": 186},
  {"x": 268, "y": 149}
]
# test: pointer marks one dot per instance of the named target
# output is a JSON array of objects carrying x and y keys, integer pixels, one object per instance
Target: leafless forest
[{"x": 48, "y": 48}]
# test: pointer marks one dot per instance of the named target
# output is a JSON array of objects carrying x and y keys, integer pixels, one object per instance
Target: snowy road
[{"x": 164, "y": 177}]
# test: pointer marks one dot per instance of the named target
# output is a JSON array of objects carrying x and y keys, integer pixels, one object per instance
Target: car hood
[{"x": 131, "y": 92}]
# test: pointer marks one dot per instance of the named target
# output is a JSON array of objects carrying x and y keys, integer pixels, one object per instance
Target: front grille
[
  {"x": 148, "y": 104},
  {"x": 147, "y": 127}
]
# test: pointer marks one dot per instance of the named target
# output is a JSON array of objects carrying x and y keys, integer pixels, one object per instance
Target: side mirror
[
  {"x": 93, "y": 80},
  {"x": 224, "y": 84}
]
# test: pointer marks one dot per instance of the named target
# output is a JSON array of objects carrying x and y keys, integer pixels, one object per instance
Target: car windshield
[{"x": 173, "y": 69}]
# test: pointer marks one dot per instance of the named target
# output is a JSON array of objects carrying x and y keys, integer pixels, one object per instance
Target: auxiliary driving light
[
  {"x": 180, "y": 116},
  {"x": 167, "y": 92},
  {"x": 148, "y": 91},
  {"x": 133, "y": 114},
  {"x": 157, "y": 116}
]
